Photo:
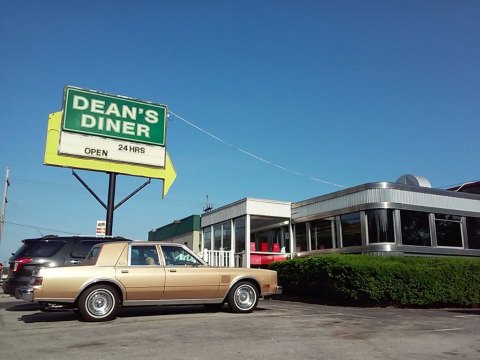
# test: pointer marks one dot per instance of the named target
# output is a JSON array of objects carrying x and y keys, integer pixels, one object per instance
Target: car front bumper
[
  {"x": 274, "y": 290},
  {"x": 24, "y": 293}
]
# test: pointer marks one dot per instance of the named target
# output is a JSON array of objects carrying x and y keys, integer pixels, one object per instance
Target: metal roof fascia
[{"x": 386, "y": 197}]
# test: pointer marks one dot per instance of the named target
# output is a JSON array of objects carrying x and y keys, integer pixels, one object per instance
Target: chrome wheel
[
  {"x": 98, "y": 303},
  {"x": 243, "y": 297}
]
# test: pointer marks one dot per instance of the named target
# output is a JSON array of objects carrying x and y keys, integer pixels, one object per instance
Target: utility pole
[{"x": 4, "y": 203}]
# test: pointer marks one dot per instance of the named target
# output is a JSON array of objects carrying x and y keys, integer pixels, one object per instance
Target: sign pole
[
  {"x": 110, "y": 203},
  {"x": 111, "y": 207}
]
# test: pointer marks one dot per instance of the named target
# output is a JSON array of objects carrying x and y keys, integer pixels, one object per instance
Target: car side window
[
  {"x": 83, "y": 248},
  {"x": 144, "y": 255},
  {"x": 175, "y": 255},
  {"x": 92, "y": 256}
]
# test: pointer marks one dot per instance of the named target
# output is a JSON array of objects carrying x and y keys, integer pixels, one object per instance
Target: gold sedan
[{"x": 127, "y": 273}]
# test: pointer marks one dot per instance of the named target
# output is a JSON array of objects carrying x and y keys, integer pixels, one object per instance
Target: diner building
[{"x": 407, "y": 217}]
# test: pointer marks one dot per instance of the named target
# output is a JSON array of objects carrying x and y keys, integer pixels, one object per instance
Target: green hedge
[{"x": 368, "y": 280}]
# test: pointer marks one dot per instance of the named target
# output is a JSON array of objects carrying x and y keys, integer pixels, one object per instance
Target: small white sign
[
  {"x": 111, "y": 149},
  {"x": 101, "y": 227}
]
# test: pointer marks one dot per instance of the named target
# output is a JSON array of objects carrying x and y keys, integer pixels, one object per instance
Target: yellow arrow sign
[{"x": 52, "y": 157}]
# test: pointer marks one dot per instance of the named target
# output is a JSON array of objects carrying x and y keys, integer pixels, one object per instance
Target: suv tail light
[{"x": 18, "y": 264}]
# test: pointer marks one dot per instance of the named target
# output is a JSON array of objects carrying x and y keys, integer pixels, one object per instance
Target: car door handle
[
  {"x": 172, "y": 270},
  {"x": 75, "y": 262},
  {"x": 124, "y": 271}
]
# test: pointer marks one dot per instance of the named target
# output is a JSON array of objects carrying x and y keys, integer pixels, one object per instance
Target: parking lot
[{"x": 278, "y": 329}]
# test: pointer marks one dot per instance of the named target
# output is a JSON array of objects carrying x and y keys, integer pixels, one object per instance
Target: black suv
[{"x": 48, "y": 251}]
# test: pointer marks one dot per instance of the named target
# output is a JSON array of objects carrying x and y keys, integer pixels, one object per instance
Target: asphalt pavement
[{"x": 276, "y": 330}]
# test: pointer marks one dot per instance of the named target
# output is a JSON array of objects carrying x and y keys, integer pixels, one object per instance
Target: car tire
[
  {"x": 98, "y": 303},
  {"x": 243, "y": 297}
]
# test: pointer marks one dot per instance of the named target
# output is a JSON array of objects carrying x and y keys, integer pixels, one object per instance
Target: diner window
[
  {"x": 226, "y": 236},
  {"x": 301, "y": 236},
  {"x": 222, "y": 236},
  {"x": 351, "y": 229},
  {"x": 380, "y": 226},
  {"x": 322, "y": 234},
  {"x": 260, "y": 238},
  {"x": 239, "y": 225},
  {"x": 207, "y": 238},
  {"x": 280, "y": 240},
  {"x": 449, "y": 230},
  {"x": 473, "y": 231},
  {"x": 217, "y": 237},
  {"x": 415, "y": 228}
]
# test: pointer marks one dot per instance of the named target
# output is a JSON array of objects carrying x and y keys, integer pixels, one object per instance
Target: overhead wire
[
  {"x": 254, "y": 156},
  {"x": 41, "y": 228}
]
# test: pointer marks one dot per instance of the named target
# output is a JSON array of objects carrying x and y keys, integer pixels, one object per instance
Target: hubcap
[
  {"x": 100, "y": 303},
  {"x": 245, "y": 297}
]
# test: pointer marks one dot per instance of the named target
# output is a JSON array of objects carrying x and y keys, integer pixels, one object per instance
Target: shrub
[{"x": 383, "y": 280}]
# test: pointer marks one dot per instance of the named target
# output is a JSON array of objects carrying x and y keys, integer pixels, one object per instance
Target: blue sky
[{"x": 347, "y": 92}]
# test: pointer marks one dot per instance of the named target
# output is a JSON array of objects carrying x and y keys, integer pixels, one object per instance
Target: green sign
[{"x": 94, "y": 113}]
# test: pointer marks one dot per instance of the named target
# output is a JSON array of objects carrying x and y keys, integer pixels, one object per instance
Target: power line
[
  {"x": 47, "y": 184},
  {"x": 42, "y": 228},
  {"x": 256, "y": 157}
]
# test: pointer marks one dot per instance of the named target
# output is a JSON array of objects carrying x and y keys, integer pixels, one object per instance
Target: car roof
[
  {"x": 143, "y": 242},
  {"x": 76, "y": 238}
]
